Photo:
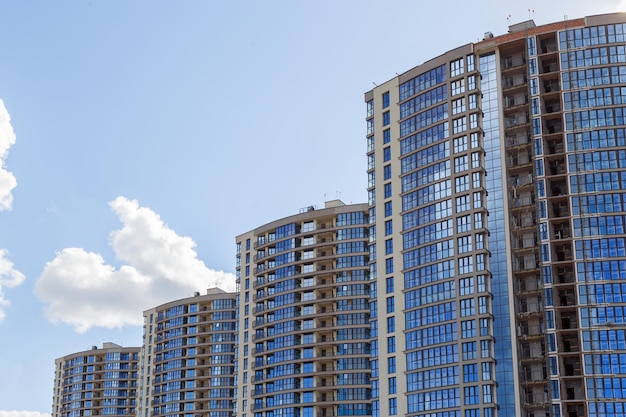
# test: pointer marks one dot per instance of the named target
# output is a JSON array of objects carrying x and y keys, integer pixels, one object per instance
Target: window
[
  {"x": 471, "y": 395},
  {"x": 456, "y": 67},
  {"x": 391, "y": 324},
  {"x": 387, "y": 190},
  {"x": 476, "y": 179},
  {"x": 474, "y": 140},
  {"x": 461, "y": 183},
  {"x": 386, "y": 135},
  {"x": 387, "y": 172},
  {"x": 458, "y": 87},
  {"x": 468, "y": 329},
  {"x": 392, "y": 385},
  {"x": 393, "y": 406},
  {"x": 459, "y": 125},
  {"x": 391, "y": 344},
  {"x": 478, "y": 199},
  {"x": 387, "y": 154},
  {"x": 473, "y": 120},
  {"x": 480, "y": 262},
  {"x": 388, "y": 208},
  {"x": 466, "y": 265},
  {"x": 478, "y": 220},
  {"x": 463, "y": 224},
  {"x": 391, "y": 365},
  {"x": 470, "y": 373},
  {"x": 466, "y": 285},
  {"x": 485, "y": 348},
  {"x": 475, "y": 160},
  {"x": 371, "y": 161},
  {"x": 370, "y": 108},
  {"x": 464, "y": 244},
  {"x": 467, "y": 307},
  {"x": 462, "y": 203},
  {"x": 486, "y": 370},
  {"x": 390, "y": 305},
  {"x": 388, "y": 246},
  {"x": 480, "y": 241},
  {"x": 470, "y": 63},
  {"x": 389, "y": 226},
  {"x": 460, "y": 164},
  {"x": 386, "y": 118},
  {"x": 458, "y": 106},
  {"x": 385, "y": 100},
  {"x": 460, "y": 144},
  {"x": 487, "y": 397},
  {"x": 484, "y": 327},
  {"x": 469, "y": 351},
  {"x": 471, "y": 82},
  {"x": 472, "y": 101},
  {"x": 389, "y": 265}
]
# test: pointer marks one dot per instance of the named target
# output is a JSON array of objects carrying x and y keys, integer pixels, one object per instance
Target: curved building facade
[
  {"x": 187, "y": 358},
  {"x": 96, "y": 382},
  {"x": 304, "y": 289},
  {"x": 497, "y": 192}
]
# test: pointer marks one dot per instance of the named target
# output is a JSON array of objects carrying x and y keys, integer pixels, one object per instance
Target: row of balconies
[{"x": 324, "y": 227}]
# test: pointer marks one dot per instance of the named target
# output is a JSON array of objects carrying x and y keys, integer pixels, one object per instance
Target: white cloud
[
  {"x": 7, "y": 139},
  {"x": 80, "y": 289},
  {"x": 9, "y": 277},
  {"x": 23, "y": 414}
]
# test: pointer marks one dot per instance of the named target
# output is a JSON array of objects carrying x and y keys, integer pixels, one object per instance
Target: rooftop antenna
[
  {"x": 531, "y": 14},
  {"x": 508, "y": 20}
]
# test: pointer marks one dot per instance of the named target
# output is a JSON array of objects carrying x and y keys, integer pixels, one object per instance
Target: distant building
[
  {"x": 304, "y": 326},
  {"x": 188, "y": 357},
  {"x": 96, "y": 382},
  {"x": 497, "y": 196}
]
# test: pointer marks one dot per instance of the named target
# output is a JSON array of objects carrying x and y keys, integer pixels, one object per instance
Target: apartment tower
[
  {"x": 187, "y": 359},
  {"x": 303, "y": 346},
  {"x": 497, "y": 194},
  {"x": 96, "y": 382}
]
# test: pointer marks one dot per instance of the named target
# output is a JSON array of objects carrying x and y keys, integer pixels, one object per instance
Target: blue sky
[{"x": 148, "y": 134}]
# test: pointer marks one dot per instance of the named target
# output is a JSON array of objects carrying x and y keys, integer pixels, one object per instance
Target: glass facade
[
  {"x": 496, "y": 222},
  {"x": 507, "y": 198},
  {"x": 188, "y": 358},
  {"x": 97, "y": 382},
  {"x": 309, "y": 350}
]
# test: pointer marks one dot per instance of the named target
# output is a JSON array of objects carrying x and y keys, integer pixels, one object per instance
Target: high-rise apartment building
[
  {"x": 96, "y": 382},
  {"x": 497, "y": 195},
  {"x": 187, "y": 359},
  {"x": 303, "y": 345}
]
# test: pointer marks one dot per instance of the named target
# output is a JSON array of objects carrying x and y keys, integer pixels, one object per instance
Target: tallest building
[{"x": 497, "y": 194}]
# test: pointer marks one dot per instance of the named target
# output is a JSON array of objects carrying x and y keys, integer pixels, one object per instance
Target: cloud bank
[
  {"x": 81, "y": 290},
  {"x": 7, "y": 139},
  {"x": 9, "y": 276}
]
